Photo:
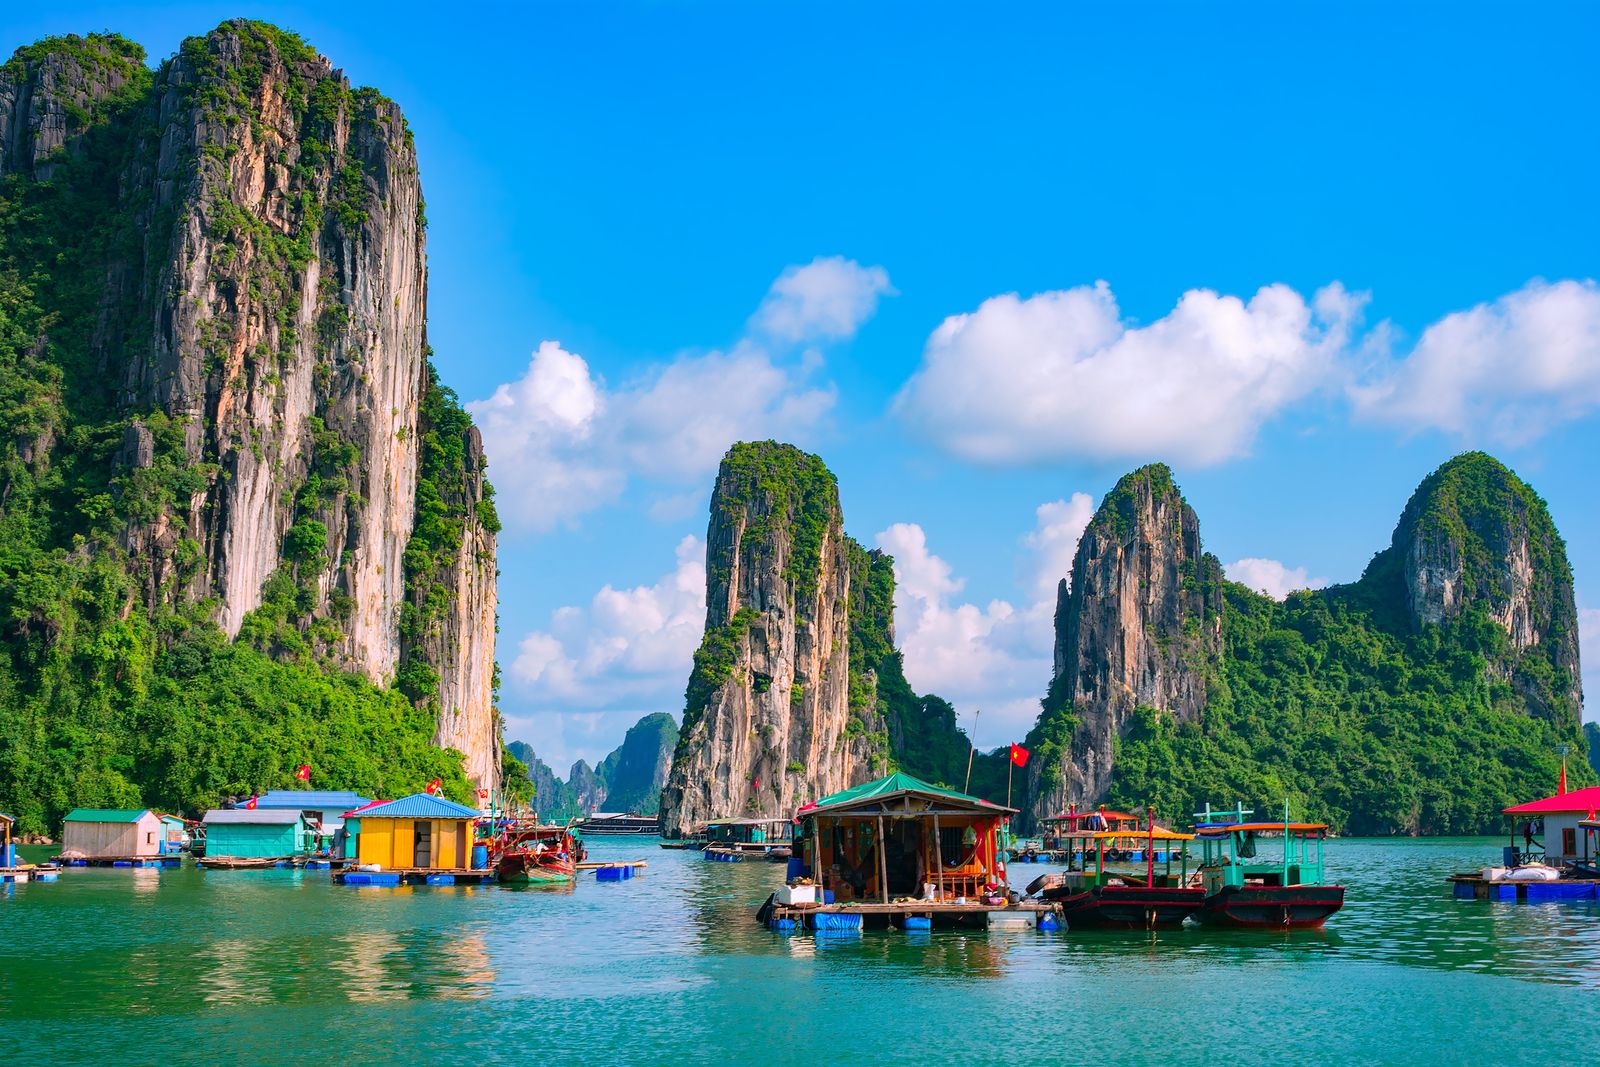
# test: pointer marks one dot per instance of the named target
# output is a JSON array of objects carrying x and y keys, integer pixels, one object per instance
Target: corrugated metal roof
[
  {"x": 258, "y": 817},
  {"x": 420, "y": 806},
  {"x": 106, "y": 814},
  {"x": 893, "y": 785},
  {"x": 320, "y": 799}
]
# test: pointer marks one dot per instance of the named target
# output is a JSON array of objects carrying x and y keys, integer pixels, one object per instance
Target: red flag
[
  {"x": 435, "y": 786},
  {"x": 304, "y": 773},
  {"x": 1019, "y": 755},
  {"x": 252, "y": 804},
  {"x": 755, "y": 783}
]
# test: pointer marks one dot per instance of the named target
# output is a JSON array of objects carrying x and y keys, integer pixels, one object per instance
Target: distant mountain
[
  {"x": 1591, "y": 734},
  {"x": 628, "y": 779},
  {"x": 1421, "y": 699}
]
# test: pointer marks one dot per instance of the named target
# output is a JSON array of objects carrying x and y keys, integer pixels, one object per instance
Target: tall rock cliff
[
  {"x": 635, "y": 771},
  {"x": 1138, "y": 625},
  {"x": 1424, "y": 698},
  {"x": 773, "y": 714},
  {"x": 1475, "y": 537},
  {"x": 237, "y": 335}
]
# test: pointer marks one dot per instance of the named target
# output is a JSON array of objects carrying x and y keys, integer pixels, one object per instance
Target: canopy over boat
[
  {"x": 1157, "y": 834},
  {"x": 1222, "y": 829},
  {"x": 882, "y": 794}
]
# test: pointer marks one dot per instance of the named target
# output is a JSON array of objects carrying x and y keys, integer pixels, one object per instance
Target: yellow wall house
[{"x": 419, "y": 832}]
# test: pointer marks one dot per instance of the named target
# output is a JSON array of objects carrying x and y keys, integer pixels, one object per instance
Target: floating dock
[
  {"x": 1477, "y": 887},
  {"x": 915, "y": 914},
  {"x": 415, "y": 876},
  {"x": 124, "y": 861}
]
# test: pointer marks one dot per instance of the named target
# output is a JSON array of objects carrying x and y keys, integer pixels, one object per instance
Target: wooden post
[
  {"x": 883, "y": 862},
  {"x": 972, "y": 747},
  {"x": 938, "y": 860}
]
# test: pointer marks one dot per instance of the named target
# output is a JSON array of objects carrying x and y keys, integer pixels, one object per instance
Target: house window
[
  {"x": 1569, "y": 841},
  {"x": 150, "y": 838}
]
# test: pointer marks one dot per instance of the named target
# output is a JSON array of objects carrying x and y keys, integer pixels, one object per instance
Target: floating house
[
  {"x": 258, "y": 833},
  {"x": 174, "y": 833},
  {"x": 732, "y": 839},
  {"x": 900, "y": 850},
  {"x": 1554, "y": 823},
  {"x": 323, "y": 807},
  {"x": 135, "y": 838},
  {"x": 415, "y": 838}
]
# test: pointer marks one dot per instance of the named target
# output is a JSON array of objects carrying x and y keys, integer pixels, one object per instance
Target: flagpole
[
  {"x": 972, "y": 746},
  {"x": 1010, "y": 763}
]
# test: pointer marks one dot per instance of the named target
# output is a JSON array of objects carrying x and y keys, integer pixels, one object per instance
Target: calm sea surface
[{"x": 181, "y": 966}]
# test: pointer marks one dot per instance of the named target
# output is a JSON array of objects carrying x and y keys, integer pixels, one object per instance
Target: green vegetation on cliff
[
  {"x": 112, "y": 693},
  {"x": 1376, "y": 714}
]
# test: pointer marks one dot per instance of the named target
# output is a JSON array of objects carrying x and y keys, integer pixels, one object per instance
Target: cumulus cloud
[
  {"x": 826, "y": 300},
  {"x": 1506, "y": 371},
  {"x": 626, "y": 647},
  {"x": 562, "y": 442},
  {"x": 1271, "y": 577},
  {"x": 995, "y": 656},
  {"x": 1064, "y": 374}
]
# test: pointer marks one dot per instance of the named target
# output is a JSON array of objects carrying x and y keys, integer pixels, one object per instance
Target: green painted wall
[{"x": 247, "y": 840}]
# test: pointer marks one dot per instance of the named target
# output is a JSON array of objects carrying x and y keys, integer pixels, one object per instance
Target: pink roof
[{"x": 1579, "y": 800}]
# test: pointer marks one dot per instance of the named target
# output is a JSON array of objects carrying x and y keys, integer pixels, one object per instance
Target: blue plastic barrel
[
  {"x": 1508, "y": 856},
  {"x": 8, "y": 855},
  {"x": 1049, "y": 922},
  {"x": 795, "y": 869},
  {"x": 827, "y": 896},
  {"x": 917, "y": 922},
  {"x": 480, "y": 857}
]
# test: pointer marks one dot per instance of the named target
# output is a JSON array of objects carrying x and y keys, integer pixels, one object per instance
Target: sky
[{"x": 983, "y": 260}]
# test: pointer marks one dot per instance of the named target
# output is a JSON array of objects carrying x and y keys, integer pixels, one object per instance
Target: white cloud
[
  {"x": 995, "y": 656},
  {"x": 826, "y": 300},
  {"x": 1270, "y": 577},
  {"x": 627, "y": 647},
  {"x": 1506, "y": 371},
  {"x": 561, "y": 442},
  {"x": 1064, "y": 374}
]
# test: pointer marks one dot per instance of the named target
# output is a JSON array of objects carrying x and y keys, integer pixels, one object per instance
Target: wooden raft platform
[
  {"x": 1025, "y": 914},
  {"x": 415, "y": 876},
  {"x": 125, "y": 861},
  {"x": 1476, "y": 887}
]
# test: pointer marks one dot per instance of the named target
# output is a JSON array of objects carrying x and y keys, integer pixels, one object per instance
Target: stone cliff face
[
  {"x": 1474, "y": 536},
  {"x": 261, "y": 328},
  {"x": 1139, "y": 625},
  {"x": 774, "y": 716},
  {"x": 636, "y": 770}
]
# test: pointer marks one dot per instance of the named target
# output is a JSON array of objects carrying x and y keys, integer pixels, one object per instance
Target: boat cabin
[
  {"x": 902, "y": 837},
  {"x": 258, "y": 833},
  {"x": 415, "y": 833},
  {"x": 113, "y": 833},
  {"x": 1550, "y": 829},
  {"x": 1231, "y": 856}
]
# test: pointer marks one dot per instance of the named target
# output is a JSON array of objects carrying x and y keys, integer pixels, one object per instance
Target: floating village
[{"x": 895, "y": 853}]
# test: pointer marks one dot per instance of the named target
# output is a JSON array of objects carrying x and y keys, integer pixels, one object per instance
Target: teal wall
[{"x": 254, "y": 840}]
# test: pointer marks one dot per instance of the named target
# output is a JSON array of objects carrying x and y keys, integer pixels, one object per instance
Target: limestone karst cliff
[
  {"x": 773, "y": 714},
  {"x": 222, "y": 349},
  {"x": 1422, "y": 698},
  {"x": 1139, "y": 624}
]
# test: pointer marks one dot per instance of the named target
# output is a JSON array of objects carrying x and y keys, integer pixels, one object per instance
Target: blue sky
[{"x": 733, "y": 220}]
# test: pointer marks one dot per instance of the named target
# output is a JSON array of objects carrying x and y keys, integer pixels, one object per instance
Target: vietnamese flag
[
  {"x": 434, "y": 787},
  {"x": 304, "y": 773},
  {"x": 1019, "y": 755},
  {"x": 251, "y": 806}
]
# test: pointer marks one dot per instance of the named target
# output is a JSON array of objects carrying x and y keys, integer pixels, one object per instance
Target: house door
[
  {"x": 1569, "y": 840},
  {"x": 423, "y": 852}
]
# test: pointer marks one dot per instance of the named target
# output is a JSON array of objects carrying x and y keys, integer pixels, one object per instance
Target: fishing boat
[
  {"x": 538, "y": 855},
  {"x": 1243, "y": 888},
  {"x": 1098, "y": 897}
]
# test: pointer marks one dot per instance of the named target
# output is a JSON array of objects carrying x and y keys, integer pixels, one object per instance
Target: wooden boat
[
  {"x": 239, "y": 863},
  {"x": 1097, "y": 897},
  {"x": 1242, "y": 889},
  {"x": 538, "y": 855}
]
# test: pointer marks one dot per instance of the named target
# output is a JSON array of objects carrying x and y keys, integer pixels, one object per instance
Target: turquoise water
[{"x": 181, "y": 966}]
